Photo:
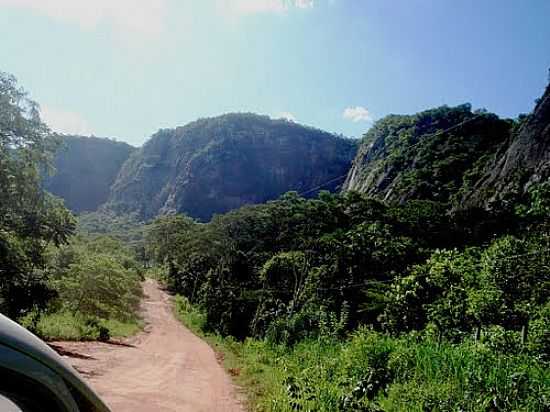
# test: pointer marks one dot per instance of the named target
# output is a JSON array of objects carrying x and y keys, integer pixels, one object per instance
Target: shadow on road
[
  {"x": 65, "y": 352},
  {"x": 118, "y": 343}
]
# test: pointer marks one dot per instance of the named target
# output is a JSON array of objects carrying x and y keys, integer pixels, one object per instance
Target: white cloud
[
  {"x": 143, "y": 17},
  {"x": 66, "y": 122},
  {"x": 304, "y": 4},
  {"x": 287, "y": 116},
  {"x": 248, "y": 7},
  {"x": 357, "y": 114}
]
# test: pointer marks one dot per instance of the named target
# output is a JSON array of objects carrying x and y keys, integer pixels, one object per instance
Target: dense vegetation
[
  {"x": 352, "y": 303},
  {"x": 84, "y": 170},
  {"x": 418, "y": 302},
  {"x": 97, "y": 289},
  {"x": 58, "y": 284},
  {"x": 127, "y": 229},
  {"x": 339, "y": 302},
  {"x": 30, "y": 219},
  {"x": 217, "y": 164}
]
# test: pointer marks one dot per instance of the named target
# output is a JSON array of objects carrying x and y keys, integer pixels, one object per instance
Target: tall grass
[
  {"x": 372, "y": 372},
  {"x": 70, "y": 326}
]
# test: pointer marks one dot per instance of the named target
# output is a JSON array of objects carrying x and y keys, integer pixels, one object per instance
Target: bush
[
  {"x": 539, "y": 335},
  {"x": 99, "y": 285},
  {"x": 372, "y": 372},
  {"x": 76, "y": 327},
  {"x": 501, "y": 340},
  {"x": 65, "y": 326}
]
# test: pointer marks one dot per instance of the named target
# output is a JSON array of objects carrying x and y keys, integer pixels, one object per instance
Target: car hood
[{"x": 18, "y": 338}]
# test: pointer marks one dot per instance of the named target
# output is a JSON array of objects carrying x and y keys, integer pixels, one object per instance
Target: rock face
[
  {"x": 433, "y": 155},
  {"x": 526, "y": 160},
  {"x": 454, "y": 155},
  {"x": 218, "y": 164},
  {"x": 85, "y": 169}
]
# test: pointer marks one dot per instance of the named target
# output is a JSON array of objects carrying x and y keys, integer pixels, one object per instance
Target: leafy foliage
[
  {"x": 96, "y": 277},
  {"x": 43, "y": 267},
  {"x": 96, "y": 290},
  {"x": 302, "y": 276},
  {"x": 30, "y": 219},
  {"x": 290, "y": 263}
]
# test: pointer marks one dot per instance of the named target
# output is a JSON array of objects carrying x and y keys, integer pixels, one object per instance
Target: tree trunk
[
  {"x": 477, "y": 334},
  {"x": 524, "y": 333}
]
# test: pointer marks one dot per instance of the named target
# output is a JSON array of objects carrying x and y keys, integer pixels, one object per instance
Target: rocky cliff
[
  {"x": 451, "y": 154},
  {"x": 433, "y": 155},
  {"x": 526, "y": 160},
  {"x": 218, "y": 164}
]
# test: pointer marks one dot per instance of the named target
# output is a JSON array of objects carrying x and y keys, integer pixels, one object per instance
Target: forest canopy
[{"x": 295, "y": 272}]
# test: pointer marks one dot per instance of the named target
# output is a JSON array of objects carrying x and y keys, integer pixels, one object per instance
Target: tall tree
[{"x": 30, "y": 219}]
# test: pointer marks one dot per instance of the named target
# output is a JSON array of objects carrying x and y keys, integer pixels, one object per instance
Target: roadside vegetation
[
  {"x": 58, "y": 284},
  {"x": 336, "y": 303},
  {"x": 371, "y": 371},
  {"x": 344, "y": 303},
  {"x": 96, "y": 289}
]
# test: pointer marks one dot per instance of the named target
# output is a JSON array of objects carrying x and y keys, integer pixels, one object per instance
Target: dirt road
[{"x": 166, "y": 368}]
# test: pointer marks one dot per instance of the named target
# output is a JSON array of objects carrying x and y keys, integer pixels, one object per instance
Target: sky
[{"x": 126, "y": 68}]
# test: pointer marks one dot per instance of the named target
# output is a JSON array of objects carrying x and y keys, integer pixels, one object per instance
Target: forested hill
[
  {"x": 217, "y": 164},
  {"x": 454, "y": 154},
  {"x": 525, "y": 162},
  {"x": 85, "y": 169},
  {"x": 447, "y": 154}
]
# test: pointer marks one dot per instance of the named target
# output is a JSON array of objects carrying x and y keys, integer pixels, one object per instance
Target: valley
[{"x": 407, "y": 271}]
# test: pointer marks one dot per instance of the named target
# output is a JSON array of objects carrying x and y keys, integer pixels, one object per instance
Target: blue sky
[{"x": 125, "y": 68}]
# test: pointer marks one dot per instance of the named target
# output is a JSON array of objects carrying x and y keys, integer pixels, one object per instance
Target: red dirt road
[{"x": 166, "y": 368}]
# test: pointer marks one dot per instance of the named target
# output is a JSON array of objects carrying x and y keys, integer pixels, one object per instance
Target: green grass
[
  {"x": 373, "y": 372},
  {"x": 77, "y": 327},
  {"x": 119, "y": 329}
]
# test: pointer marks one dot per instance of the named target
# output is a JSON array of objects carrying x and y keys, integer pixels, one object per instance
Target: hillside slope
[
  {"x": 85, "y": 169},
  {"x": 451, "y": 154},
  {"x": 526, "y": 160},
  {"x": 217, "y": 164},
  {"x": 410, "y": 157}
]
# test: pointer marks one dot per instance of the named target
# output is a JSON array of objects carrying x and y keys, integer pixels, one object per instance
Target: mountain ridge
[
  {"x": 454, "y": 155},
  {"x": 213, "y": 165}
]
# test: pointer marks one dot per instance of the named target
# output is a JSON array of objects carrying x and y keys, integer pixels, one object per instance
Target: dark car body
[{"x": 33, "y": 377}]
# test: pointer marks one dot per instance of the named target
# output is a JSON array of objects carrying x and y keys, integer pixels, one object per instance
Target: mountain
[
  {"x": 432, "y": 155},
  {"x": 217, "y": 164},
  {"x": 451, "y": 154},
  {"x": 526, "y": 160},
  {"x": 85, "y": 169}
]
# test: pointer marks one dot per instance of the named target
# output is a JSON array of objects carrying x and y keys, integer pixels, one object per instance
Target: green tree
[
  {"x": 98, "y": 285},
  {"x": 165, "y": 235},
  {"x": 284, "y": 280},
  {"x": 30, "y": 219},
  {"x": 434, "y": 292},
  {"x": 515, "y": 277}
]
